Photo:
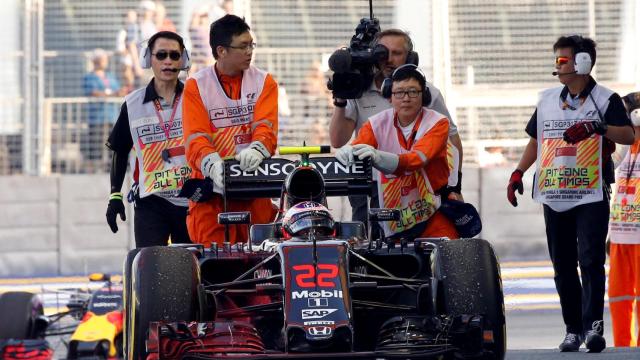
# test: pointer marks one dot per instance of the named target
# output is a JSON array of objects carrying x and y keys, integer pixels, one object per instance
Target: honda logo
[{"x": 319, "y": 331}]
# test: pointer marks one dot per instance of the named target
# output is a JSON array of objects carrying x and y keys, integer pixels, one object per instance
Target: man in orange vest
[
  {"x": 408, "y": 146},
  {"x": 230, "y": 111},
  {"x": 624, "y": 232}
]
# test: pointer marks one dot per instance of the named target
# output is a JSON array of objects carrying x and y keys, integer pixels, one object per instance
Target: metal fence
[{"x": 489, "y": 59}]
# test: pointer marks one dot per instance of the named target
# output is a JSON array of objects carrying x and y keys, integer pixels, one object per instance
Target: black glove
[
  {"x": 197, "y": 190},
  {"x": 114, "y": 208},
  {"x": 584, "y": 130}
]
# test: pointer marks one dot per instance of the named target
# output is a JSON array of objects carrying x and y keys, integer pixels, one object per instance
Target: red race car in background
[{"x": 91, "y": 326}]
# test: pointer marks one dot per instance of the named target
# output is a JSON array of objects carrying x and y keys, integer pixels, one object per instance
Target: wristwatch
[{"x": 339, "y": 104}]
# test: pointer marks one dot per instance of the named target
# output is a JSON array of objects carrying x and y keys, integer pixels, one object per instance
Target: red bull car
[
  {"x": 323, "y": 289},
  {"x": 92, "y": 325}
]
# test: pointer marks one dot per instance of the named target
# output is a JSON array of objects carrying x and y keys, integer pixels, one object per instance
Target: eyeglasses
[
  {"x": 162, "y": 54},
  {"x": 247, "y": 48},
  {"x": 561, "y": 60},
  {"x": 412, "y": 93}
]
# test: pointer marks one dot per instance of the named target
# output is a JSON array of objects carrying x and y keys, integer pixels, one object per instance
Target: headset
[
  {"x": 582, "y": 59},
  {"x": 145, "y": 59},
  {"x": 388, "y": 82}
]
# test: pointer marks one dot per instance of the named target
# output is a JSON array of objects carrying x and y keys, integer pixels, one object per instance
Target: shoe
[
  {"x": 594, "y": 341},
  {"x": 571, "y": 342}
]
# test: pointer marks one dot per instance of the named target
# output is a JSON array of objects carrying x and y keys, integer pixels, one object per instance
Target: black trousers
[
  {"x": 156, "y": 220},
  {"x": 577, "y": 238}
]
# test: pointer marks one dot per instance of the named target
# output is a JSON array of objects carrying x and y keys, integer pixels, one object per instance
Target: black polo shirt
[
  {"x": 120, "y": 139},
  {"x": 615, "y": 115}
]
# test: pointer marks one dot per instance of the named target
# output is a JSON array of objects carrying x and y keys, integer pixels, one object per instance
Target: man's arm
[
  {"x": 529, "y": 155},
  {"x": 425, "y": 148},
  {"x": 620, "y": 134},
  {"x": 457, "y": 142},
  {"x": 619, "y": 127},
  {"x": 121, "y": 143},
  {"x": 118, "y": 171},
  {"x": 264, "y": 127},
  {"x": 196, "y": 126},
  {"x": 438, "y": 104},
  {"x": 341, "y": 127}
]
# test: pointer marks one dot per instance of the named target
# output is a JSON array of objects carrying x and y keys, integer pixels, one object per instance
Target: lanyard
[
  {"x": 174, "y": 108},
  {"x": 631, "y": 165},
  {"x": 407, "y": 143}
]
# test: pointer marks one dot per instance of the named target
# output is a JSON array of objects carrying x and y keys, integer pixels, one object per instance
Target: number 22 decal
[{"x": 307, "y": 275}]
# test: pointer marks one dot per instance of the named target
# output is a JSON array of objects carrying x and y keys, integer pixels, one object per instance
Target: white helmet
[{"x": 307, "y": 215}]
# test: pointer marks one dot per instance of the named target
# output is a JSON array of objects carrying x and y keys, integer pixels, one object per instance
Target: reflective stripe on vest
[
  {"x": 231, "y": 120},
  {"x": 453, "y": 160},
  {"x": 412, "y": 192},
  {"x": 568, "y": 175},
  {"x": 624, "y": 220},
  {"x": 162, "y": 164}
]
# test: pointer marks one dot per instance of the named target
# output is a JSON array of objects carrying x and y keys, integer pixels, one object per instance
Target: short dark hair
[
  {"x": 410, "y": 72},
  {"x": 224, "y": 29},
  {"x": 578, "y": 44},
  {"x": 165, "y": 35}
]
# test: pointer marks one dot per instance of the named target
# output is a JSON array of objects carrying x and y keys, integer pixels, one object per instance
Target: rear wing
[{"x": 267, "y": 180}]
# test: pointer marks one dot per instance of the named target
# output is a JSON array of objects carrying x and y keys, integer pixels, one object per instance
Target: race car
[
  {"x": 306, "y": 286},
  {"x": 92, "y": 319}
]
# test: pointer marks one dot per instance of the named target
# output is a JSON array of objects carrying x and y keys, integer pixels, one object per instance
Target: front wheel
[
  {"x": 469, "y": 283},
  {"x": 164, "y": 287},
  {"x": 19, "y": 312}
]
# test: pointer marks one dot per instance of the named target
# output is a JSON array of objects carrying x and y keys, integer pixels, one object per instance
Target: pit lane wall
[{"x": 56, "y": 225}]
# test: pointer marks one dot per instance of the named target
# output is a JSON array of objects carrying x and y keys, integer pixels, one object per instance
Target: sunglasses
[
  {"x": 162, "y": 54},
  {"x": 561, "y": 60}
]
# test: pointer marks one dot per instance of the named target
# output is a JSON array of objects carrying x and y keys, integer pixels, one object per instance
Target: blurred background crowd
[{"x": 67, "y": 64}]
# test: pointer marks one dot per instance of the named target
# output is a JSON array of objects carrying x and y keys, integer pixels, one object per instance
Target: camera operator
[{"x": 351, "y": 114}]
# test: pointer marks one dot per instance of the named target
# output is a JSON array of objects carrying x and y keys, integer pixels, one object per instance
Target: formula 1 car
[
  {"x": 93, "y": 320},
  {"x": 306, "y": 286}
]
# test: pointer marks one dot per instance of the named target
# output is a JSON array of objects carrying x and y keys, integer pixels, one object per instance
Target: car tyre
[
  {"x": 19, "y": 312},
  {"x": 164, "y": 287},
  {"x": 126, "y": 291},
  {"x": 469, "y": 281}
]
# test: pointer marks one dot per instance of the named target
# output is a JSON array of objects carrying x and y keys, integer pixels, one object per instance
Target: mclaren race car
[
  {"x": 306, "y": 286},
  {"x": 91, "y": 327}
]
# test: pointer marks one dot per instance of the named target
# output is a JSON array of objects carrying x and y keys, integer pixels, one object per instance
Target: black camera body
[{"x": 353, "y": 66}]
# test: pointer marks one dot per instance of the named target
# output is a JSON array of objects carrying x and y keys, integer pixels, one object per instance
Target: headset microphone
[{"x": 555, "y": 73}]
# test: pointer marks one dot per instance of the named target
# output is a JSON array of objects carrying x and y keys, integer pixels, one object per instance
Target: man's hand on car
[
  {"x": 213, "y": 168},
  {"x": 251, "y": 157},
  {"x": 345, "y": 155},
  {"x": 384, "y": 161},
  {"x": 114, "y": 208}
]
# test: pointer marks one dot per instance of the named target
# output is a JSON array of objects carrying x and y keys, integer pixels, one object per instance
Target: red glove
[
  {"x": 584, "y": 130},
  {"x": 515, "y": 183}
]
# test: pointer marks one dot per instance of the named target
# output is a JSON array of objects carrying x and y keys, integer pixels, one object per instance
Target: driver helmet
[{"x": 307, "y": 215}]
